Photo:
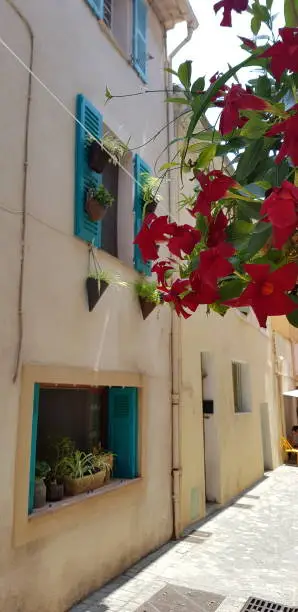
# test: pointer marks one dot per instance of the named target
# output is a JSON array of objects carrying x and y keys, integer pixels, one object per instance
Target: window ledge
[{"x": 108, "y": 33}]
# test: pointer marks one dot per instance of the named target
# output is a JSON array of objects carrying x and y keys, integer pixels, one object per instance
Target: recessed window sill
[
  {"x": 108, "y": 33},
  {"x": 52, "y": 507}
]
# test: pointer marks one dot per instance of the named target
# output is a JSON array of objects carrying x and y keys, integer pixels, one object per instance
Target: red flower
[
  {"x": 266, "y": 292},
  {"x": 205, "y": 293},
  {"x": 178, "y": 289},
  {"x": 280, "y": 208},
  {"x": 161, "y": 268},
  {"x": 229, "y": 6},
  {"x": 154, "y": 230},
  {"x": 238, "y": 99},
  {"x": 284, "y": 54},
  {"x": 217, "y": 229},
  {"x": 248, "y": 43},
  {"x": 184, "y": 238},
  {"x": 214, "y": 185},
  {"x": 214, "y": 263},
  {"x": 289, "y": 127}
]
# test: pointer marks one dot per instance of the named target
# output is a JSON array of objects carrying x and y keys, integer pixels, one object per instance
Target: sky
[{"x": 212, "y": 47}]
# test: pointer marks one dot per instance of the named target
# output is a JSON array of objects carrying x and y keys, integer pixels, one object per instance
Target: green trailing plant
[
  {"x": 102, "y": 462},
  {"x": 108, "y": 277},
  {"x": 148, "y": 291},
  {"x": 102, "y": 195},
  {"x": 115, "y": 147},
  {"x": 150, "y": 187},
  {"x": 42, "y": 470},
  {"x": 60, "y": 449},
  {"x": 79, "y": 464}
]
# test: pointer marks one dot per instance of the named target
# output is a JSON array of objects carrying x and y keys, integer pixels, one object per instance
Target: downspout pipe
[{"x": 175, "y": 336}]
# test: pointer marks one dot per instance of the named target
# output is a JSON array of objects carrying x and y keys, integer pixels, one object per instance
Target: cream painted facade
[
  {"x": 223, "y": 453},
  {"x": 52, "y": 559}
]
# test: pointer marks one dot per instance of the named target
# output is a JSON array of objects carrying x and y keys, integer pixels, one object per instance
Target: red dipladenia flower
[
  {"x": 238, "y": 99},
  {"x": 229, "y": 6},
  {"x": 184, "y": 238},
  {"x": 214, "y": 186},
  {"x": 153, "y": 231},
  {"x": 204, "y": 292},
  {"x": 161, "y": 268},
  {"x": 217, "y": 229},
  {"x": 266, "y": 292},
  {"x": 289, "y": 127},
  {"x": 214, "y": 263},
  {"x": 284, "y": 54},
  {"x": 176, "y": 296},
  {"x": 280, "y": 208}
]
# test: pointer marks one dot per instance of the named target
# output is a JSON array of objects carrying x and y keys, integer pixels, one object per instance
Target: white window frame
[{"x": 241, "y": 387}]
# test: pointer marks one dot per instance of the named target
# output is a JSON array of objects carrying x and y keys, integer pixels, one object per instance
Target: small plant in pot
[
  {"x": 149, "y": 296},
  {"x": 42, "y": 470},
  {"x": 150, "y": 186},
  {"x": 97, "y": 283},
  {"x": 61, "y": 449},
  {"x": 112, "y": 150},
  {"x": 82, "y": 473},
  {"x": 103, "y": 460},
  {"x": 98, "y": 201}
]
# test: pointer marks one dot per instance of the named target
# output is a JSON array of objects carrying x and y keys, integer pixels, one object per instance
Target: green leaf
[
  {"x": 291, "y": 13},
  {"x": 199, "y": 85},
  {"x": 219, "y": 309},
  {"x": 108, "y": 94},
  {"x": 255, "y": 25},
  {"x": 269, "y": 4},
  {"x": 181, "y": 100},
  {"x": 261, "y": 12},
  {"x": 259, "y": 238},
  {"x": 184, "y": 74},
  {"x": 231, "y": 289},
  {"x": 168, "y": 166},
  {"x": 206, "y": 156},
  {"x": 263, "y": 87},
  {"x": 247, "y": 211},
  {"x": 171, "y": 71},
  {"x": 249, "y": 159},
  {"x": 254, "y": 128}
]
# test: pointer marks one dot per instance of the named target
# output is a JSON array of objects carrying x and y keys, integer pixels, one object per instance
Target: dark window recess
[
  {"x": 208, "y": 407},
  {"x": 109, "y": 235},
  {"x": 107, "y": 13}
]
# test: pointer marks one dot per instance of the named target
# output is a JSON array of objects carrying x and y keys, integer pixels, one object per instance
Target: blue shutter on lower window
[
  {"x": 140, "y": 167},
  {"x": 123, "y": 430},
  {"x": 140, "y": 38},
  {"x": 97, "y": 7},
  {"x": 90, "y": 118},
  {"x": 33, "y": 448}
]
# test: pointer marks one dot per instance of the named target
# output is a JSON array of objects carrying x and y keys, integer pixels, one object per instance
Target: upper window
[
  {"x": 82, "y": 437},
  {"x": 139, "y": 55},
  {"x": 241, "y": 387}
]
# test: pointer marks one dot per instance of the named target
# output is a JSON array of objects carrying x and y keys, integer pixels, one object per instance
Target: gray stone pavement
[{"x": 249, "y": 549}]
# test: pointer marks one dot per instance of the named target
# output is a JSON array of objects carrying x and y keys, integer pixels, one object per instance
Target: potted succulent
[
  {"x": 99, "y": 156},
  {"x": 42, "y": 469},
  {"x": 62, "y": 448},
  {"x": 150, "y": 186},
  {"x": 98, "y": 200},
  {"x": 149, "y": 296},
  {"x": 83, "y": 473}
]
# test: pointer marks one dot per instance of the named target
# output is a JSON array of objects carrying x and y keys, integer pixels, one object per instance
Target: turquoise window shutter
[
  {"x": 97, "y": 7},
  {"x": 139, "y": 168},
  {"x": 33, "y": 447},
  {"x": 140, "y": 38},
  {"x": 90, "y": 118},
  {"x": 123, "y": 430}
]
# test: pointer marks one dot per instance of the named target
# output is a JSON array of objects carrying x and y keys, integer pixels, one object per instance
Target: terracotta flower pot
[
  {"x": 95, "y": 210},
  {"x": 95, "y": 289},
  {"x": 40, "y": 494},
  {"x": 55, "y": 491},
  {"x": 76, "y": 486},
  {"x": 146, "y": 307},
  {"x": 97, "y": 158}
]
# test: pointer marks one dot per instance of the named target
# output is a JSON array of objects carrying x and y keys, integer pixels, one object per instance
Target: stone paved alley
[{"x": 250, "y": 549}]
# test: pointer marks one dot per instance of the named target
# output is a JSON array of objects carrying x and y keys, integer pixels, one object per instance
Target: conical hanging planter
[
  {"x": 95, "y": 290},
  {"x": 146, "y": 307},
  {"x": 150, "y": 207},
  {"x": 97, "y": 157}
]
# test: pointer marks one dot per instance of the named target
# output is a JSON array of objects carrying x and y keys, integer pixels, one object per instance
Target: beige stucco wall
[{"x": 72, "y": 55}]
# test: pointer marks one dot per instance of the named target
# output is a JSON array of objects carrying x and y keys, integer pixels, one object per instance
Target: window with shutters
[
  {"x": 241, "y": 387},
  {"x": 140, "y": 54},
  {"x": 84, "y": 419},
  {"x": 140, "y": 170},
  {"x": 116, "y": 17}
]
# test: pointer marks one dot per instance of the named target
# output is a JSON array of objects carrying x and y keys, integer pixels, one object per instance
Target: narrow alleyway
[{"x": 250, "y": 549}]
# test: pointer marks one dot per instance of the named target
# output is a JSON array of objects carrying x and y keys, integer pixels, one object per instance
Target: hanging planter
[
  {"x": 149, "y": 296},
  {"x": 97, "y": 157},
  {"x": 150, "y": 207},
  {"x": 98, "y": 200},
  {"x": 95, "y": 287},
  {"x": 150, "y": 186}
]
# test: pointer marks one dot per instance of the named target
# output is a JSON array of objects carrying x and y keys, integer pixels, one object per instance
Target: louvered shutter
[
  {"x": 140, "y": 38},
  {"x": 90, "y": 118},
  {"x": 139, "y": 168},
  {"x": 33, "y": 447},
  {"x": 97, "y": 7},
  {"x": 123, "y": 430}
]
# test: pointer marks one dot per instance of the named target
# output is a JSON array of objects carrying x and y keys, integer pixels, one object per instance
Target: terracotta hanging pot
[
  {"x": 95, "y": 210},
  {"x": 97, "y": 158},
  {"x": 95, "y": 289},
  {"x": 146, "y": 307}
]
